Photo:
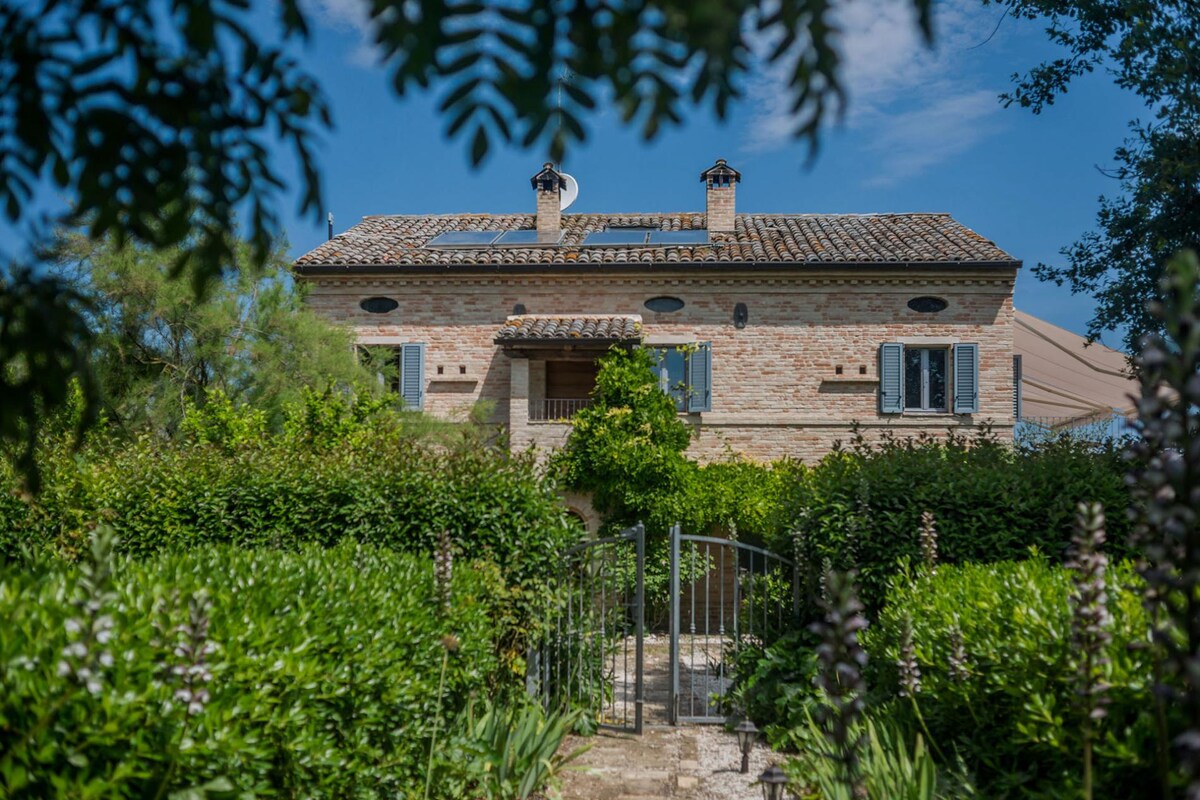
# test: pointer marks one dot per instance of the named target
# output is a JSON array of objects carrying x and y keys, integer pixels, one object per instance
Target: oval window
[
  {"x": 664, "y": 305},
  {"x": 378, "y": 305},
  {"x": 927, "y": 305}
]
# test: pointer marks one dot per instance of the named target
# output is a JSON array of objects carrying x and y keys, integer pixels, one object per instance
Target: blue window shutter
[
  {"x": 891, "y": 378},
  {"x": 966, "y": 379},
  {"x": 700, "y": 378},
  {"x": 1016, "y": 388},
  {"x": 412, "y": 375}
]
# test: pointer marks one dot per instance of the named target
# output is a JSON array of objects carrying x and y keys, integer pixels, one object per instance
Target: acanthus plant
[
  {"x": 929, "y": 543},
  {"x": 1090, "y": 622},
  {"x": 443, "y": 568},
  {"x": 842, "y": 661}
]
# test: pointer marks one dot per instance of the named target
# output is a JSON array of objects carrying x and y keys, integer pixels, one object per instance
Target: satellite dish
[{"x": 570, "y": 191}]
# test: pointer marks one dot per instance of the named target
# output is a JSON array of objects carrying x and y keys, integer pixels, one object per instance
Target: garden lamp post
[
  {"x": 774, "y": 783},
  {"x": 746, "y": 734}
]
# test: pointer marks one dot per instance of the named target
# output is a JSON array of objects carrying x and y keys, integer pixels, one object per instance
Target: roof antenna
[
  {"x": 330, "y": 220},
  {"x": 570, "y": 187},
  {"x": 563, "y": 78}
]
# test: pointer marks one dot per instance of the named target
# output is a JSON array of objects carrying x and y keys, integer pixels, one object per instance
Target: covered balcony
[{"x": 555, "y": 361}]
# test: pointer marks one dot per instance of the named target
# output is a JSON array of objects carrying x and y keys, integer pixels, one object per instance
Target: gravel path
[
  {"x": 697, "y": 762},
  {"x": 694, "y": 762}
]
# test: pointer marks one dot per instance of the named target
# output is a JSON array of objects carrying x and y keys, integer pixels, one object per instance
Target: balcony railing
[{"x": 551, "y": 410}]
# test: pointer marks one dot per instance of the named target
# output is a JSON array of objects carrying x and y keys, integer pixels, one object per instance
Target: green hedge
[
  {"x": 324, "y": 664},
  {"x": 338, "y": 471},
  {"x": 860, "y": 508}
]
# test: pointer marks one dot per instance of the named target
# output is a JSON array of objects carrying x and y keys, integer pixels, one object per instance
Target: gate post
[
  {"x": 673, "y": 702},
  {"x": 640, "y": 626}
]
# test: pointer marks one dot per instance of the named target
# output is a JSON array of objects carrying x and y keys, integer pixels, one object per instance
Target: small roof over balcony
[{"x": 558, "y": 330}]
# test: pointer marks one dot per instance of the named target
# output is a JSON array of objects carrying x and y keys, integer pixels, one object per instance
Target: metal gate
[
  {"x": 723, "y": 596},
  {"x": 592, "y": 655}
]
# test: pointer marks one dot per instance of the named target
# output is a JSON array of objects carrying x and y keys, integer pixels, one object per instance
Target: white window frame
[
  {"x": 924, "y": 350},
  {"x": 663, "y": 379}
]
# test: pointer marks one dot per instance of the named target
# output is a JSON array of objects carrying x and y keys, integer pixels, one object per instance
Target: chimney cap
[
  {"x": 548, "y": 179},
  {"x": 720, "y": 174}
]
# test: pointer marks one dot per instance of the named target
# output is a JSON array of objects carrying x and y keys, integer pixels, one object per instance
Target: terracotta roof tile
[
  {"x": 607, "y": 328},
  {"x": 863, "y": 239}
]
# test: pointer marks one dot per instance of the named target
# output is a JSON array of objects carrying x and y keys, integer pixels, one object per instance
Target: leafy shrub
[
  {"x": 233, "y": 672},
  {"x": 626, "y": 448},
  {"x": 997, "y": 680},
  {"x": 998, "y": 676},
  {"x": 776, "y": 687},
  {"x": 861, "y": 508}
]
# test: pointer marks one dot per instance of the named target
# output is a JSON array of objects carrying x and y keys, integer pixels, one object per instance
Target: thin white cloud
[
  {"x": 349, "y": 16},
  {"x": 916, "y": 104},
  {"x": 913, "y": 141}
]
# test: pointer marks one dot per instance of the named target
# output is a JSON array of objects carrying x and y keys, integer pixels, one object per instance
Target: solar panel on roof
[
  {"x": 611, "y": 238},
  {"x": 463, "y": 239},
  {"x": 519, "y": 237},
  {"x": 679, "y": 237}
]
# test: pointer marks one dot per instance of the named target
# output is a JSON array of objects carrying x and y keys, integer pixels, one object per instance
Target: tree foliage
[
  {"x": 45, "y": 344},
  {"x": 158, "y": 121},
  {"x": 157, "y": 349},
  {"x": 1151, "y": 48},
  {"x": 504, "y": 67}
]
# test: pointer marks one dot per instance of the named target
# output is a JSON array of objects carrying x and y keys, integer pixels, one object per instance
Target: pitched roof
[
  {"x": 608, "y": 328},
  {"x": 384, "y": 243}
]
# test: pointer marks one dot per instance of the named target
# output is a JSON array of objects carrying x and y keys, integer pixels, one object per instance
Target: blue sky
[{"x": 924, "y": 131}]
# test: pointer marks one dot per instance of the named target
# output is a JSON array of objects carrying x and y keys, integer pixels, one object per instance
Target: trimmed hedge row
[
  {"x": 224, "y": 672},
  {"x": 861, "y": 508},
  {"x": 374, "y": 482}
]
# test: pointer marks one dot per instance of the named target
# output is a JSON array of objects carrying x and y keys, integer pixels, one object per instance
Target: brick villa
[{"x": 776, "y": 332}]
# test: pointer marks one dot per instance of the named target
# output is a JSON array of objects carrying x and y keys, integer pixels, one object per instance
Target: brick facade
[
  {"x": 721, "y": 207},
  {"x": 776, "y": 390}
]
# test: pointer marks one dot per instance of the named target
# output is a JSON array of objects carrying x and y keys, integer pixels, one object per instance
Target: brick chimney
[
  {"x": 721, "y": 180},
  {"x": 548, "y": 185}
]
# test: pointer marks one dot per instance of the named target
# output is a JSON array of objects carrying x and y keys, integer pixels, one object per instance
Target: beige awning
[{"x": 1063, "y": 378}]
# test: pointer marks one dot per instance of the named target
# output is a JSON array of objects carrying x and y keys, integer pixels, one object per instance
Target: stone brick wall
[
  {"x": 549, "y": 217},
  {"x": 720, "y": 203},
  {"x": 776, "y": 391}
]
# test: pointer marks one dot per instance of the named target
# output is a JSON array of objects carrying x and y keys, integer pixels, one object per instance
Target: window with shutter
[
  {"x": 399, "y": 367},
  {"x": 412, "y": 375},
  {"x": 966, "y": 378},
  {"x": 891, "y": 378},
  {"x": 700, "y": 378},
  {"x": 685, "y": 373}
]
